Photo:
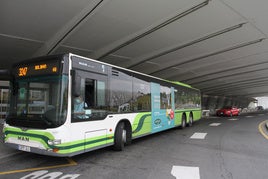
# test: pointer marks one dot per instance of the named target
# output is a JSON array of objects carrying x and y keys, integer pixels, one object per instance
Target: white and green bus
[{"x": 118, "y": 105}]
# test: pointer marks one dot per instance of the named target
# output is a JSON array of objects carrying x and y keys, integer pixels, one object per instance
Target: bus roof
[
  {"x": 174, "y": 82},
  {"x": 118, "y": 67}
]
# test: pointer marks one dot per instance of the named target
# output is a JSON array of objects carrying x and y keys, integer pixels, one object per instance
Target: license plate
[{"x": 24, "y": 148}]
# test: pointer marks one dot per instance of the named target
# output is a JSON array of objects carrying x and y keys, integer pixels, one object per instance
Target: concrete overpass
[{"x": 218, "y": 46}]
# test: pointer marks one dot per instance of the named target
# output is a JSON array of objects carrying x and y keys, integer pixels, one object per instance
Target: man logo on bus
[{"x": 23, "y": 138}]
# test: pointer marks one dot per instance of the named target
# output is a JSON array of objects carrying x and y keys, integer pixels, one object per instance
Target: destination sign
[{"x": 41, "y": 68}]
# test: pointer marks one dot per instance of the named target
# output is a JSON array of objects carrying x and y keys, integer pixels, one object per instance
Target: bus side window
[
  {"x": 89, "y": 92},
  {"x": 95, "y": 93}
]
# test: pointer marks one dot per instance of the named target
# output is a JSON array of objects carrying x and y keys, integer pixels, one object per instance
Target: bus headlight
[{"x": 54, "y": 142}]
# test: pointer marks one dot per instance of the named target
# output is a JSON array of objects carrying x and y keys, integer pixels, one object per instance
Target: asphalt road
[{"x": 225, "y": 148}]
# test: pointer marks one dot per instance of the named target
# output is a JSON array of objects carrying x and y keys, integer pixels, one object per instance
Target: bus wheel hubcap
[{"x": 124, "y": 136}]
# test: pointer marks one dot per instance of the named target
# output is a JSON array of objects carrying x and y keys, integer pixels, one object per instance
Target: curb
[{"x": 263, "y": 129}]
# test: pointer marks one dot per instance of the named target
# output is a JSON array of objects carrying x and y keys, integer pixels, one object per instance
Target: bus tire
[
  {"x": 191, "y": 120},
  {"x": 128, "y": 133},
  {"x": 120, "y": 137},
  {"x": 183, "y": 121}
]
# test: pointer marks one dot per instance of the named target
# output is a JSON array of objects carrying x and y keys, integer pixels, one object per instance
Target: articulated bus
[{"x": 118, "y": 105}]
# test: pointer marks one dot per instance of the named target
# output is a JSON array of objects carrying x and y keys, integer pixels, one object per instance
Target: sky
[{"x": 263, "y": 101}]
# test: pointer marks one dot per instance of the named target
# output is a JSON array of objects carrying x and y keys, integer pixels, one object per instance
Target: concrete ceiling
[{"x": 218, "y": 46}]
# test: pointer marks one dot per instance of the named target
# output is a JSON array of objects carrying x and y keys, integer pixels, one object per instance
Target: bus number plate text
[{"x": 24, "y": 148}]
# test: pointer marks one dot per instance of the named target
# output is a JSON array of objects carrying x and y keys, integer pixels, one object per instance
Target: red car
[{"x": 228, "y": 111}]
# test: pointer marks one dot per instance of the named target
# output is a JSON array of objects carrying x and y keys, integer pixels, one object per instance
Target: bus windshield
[{"x": 39, "y": 102}]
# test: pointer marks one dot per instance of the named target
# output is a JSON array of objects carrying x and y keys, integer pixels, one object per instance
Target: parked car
[{"x": 228, "y": 111}]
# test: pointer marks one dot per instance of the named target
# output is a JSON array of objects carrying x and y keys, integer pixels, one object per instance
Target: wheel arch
[
  {"x": 185, "y": 115},
  {"x": 191, "y": 114},
  {"x": 183, "y": 123},
  {"x": 128, "y": 128},
  {"x": 190, "y": 119}
]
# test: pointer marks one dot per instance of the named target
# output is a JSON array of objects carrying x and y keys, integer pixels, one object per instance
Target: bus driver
[{"x": 79, "y": 108}]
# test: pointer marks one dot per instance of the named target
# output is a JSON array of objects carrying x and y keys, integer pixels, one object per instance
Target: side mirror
[
  {"x": 76, "y": 84},
  {"x": 15, "y": 87}
]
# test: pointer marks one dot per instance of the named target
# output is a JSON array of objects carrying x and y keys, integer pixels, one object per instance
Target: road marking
[
  {"x": 44, "y": 174},
  {"x": 183, "y": 172},
  {"x": 71, "y": 162},
  {"x": 214, "y": 124},
  {"x": 261, "y": 129},
  {"x": 35, "y": 174},
  {"x": 198, "y": 135},
  {"x": 249, "y": 116},
  {"x": 233, "y": 119}
]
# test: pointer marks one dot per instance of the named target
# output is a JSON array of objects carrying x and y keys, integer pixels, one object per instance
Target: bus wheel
[
  {"x": 120, "y": 137},
  {"x": 190, "y": 120},
  {"x": 183, "y": 121}
]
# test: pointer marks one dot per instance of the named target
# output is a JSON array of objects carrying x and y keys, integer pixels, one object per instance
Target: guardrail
[
  {"x": 212, "y": 112},
  {"x": 205, "y": 113}
]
